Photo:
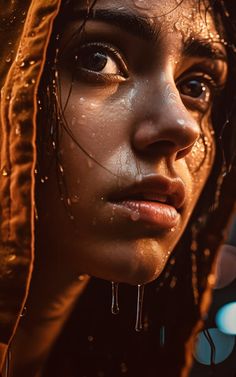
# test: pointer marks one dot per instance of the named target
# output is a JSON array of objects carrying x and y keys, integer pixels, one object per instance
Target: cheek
[
  {"x": 201, "y": 158},
  {"x": 98, "y": 120}
]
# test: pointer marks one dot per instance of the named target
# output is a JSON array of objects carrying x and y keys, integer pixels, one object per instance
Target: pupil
[
  {"x": 193, "y": 88},
  {"x": 95, "y": 61}
]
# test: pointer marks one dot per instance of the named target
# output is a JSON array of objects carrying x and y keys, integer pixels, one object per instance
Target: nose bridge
[{"x": 165, "y": 120}]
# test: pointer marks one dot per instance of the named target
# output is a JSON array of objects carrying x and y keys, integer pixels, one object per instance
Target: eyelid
[
  {"x": 216, "y": 74},
  {"x": 205, "y": 77},
  {"x": 107, "y": 47}
]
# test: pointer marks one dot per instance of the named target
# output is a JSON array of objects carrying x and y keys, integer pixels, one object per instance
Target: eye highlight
[
  {"x": 195, "y": 89},
  {"x": 198, "y": 91},
  {"x": 101, "y": 63}
]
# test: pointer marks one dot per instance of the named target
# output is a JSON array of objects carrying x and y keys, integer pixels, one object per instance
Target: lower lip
[{"x": 160, "y": 215}]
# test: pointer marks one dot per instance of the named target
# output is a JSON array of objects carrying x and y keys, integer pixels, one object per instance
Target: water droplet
[
  {"x": 12, "y": 257},
  {"x": 162, "y": 336},
  {"x": 74, "y": 198},
  {"x": 93, "y": 105},
  {"x": 181, "y": 122},
  {"x": 61, "y": 169},
  {"x": 18, "y": 130},
  {"x": 139, "y": 322},
  {"x": 135, "y": 216},
  {"x": 173, "y": 282},
  {"x": 36, "y": 213},
  {"x": 90, "y": 163},
  {"x": 23, "y": 313},
  {"x": 142, "y": 4},
  {"x": 139, "y": 178},
  {"x": 4, "y": 172},
  {"x": 207, "y": 253},
  {"x": 115, "y": 303},
  {"x": 73, "y": 121},
  {"x": 8, "y": 59},
  {"x": 211, "y": 280}
]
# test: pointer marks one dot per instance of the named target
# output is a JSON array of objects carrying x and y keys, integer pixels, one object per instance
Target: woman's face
[{"x": 136, "y": 89}]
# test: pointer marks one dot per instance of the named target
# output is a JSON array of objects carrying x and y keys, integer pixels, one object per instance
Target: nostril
[
  {"x": 183, "y": 152},
  {"x": 163, "y": 147}
]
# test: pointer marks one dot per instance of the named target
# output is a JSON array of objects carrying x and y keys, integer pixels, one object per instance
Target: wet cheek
[
  {"x": 100, "y": 125},
  {"x": 101, "y": 128}
]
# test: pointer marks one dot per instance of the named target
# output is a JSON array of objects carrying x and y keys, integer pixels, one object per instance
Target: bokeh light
[
  {"x": 223, "y": 346},
  {"x": 226, "y": 318}
]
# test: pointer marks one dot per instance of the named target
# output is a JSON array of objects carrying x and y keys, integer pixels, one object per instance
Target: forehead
[{"x": 185, "y": 17}]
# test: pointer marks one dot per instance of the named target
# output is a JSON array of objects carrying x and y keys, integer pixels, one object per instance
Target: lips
[{"x": 155, "y": 200}]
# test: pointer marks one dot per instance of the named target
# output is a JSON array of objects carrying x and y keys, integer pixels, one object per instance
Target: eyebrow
[
  {"x": 143, "y": 27},
  {"x": 199, "y": 47},
  {"x": 139, "y": 26}
]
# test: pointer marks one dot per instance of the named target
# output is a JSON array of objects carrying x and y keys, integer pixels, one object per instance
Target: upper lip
[{"x": 154, "y": 188}]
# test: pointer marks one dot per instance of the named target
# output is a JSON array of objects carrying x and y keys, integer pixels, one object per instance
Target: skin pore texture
[{"x": 136, "y": 92}]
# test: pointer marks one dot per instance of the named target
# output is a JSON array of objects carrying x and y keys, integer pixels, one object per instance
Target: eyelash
[{"x": 109, "y": 51}]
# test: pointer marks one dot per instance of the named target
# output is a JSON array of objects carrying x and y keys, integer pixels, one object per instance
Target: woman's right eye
[{"x": 100, "y": 63}]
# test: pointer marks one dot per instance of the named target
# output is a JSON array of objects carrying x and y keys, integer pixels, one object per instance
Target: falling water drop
[
  {"x": 162, "y": 336},
  {"x": 139, "y": 323},
  {"x": 115, "y": 303}
]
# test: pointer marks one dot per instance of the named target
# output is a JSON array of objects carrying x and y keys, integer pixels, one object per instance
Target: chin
[
  {"x": 143, "y": 274},
  {"x": 132, "y": 262},
  {"x": 138, "y": 272}
]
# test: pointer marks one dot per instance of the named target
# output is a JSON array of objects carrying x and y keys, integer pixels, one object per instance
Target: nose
[{"x": 165, "y": 126}]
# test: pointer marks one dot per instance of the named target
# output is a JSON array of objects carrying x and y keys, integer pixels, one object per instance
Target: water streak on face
[{"x": 137, "y": 88}]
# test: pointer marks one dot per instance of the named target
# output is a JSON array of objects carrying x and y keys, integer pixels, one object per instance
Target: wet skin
[{"x": 144, "y": 80}]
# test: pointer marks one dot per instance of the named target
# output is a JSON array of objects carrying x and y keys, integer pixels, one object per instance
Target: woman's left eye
[
  {"x": 197, "y": 89},
  {"x": 99, "y": 62}
]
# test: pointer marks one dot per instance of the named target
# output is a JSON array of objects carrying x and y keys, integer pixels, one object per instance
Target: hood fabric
[{"x": 25, "y": 29}]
